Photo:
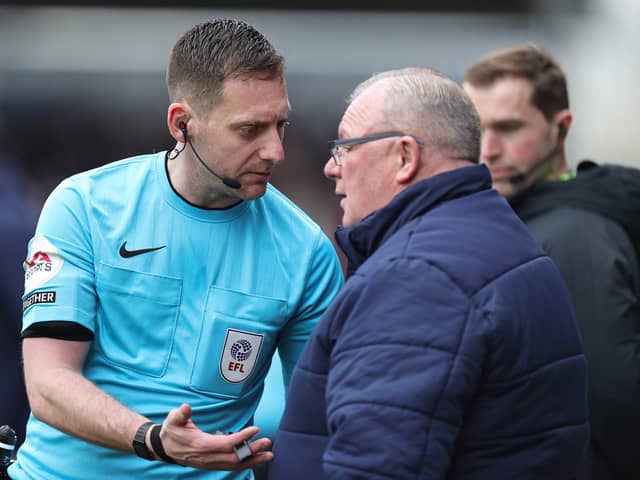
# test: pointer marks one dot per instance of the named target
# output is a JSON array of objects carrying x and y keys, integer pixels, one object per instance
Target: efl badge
[
  {"x": 42, "y": 265},
  {"x": 239, "y": 355}
]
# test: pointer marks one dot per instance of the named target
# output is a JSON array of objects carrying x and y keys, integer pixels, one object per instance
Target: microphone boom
[{"x": 228, "y": 181}]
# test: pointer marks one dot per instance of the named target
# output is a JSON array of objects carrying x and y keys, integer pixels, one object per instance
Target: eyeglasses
[{"x": 338, "y": 148}]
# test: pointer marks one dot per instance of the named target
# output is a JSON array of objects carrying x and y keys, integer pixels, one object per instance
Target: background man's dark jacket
[{"x": 590, "y": 227}]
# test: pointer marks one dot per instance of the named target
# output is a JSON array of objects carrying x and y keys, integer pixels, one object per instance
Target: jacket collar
[
  {"x": 360, "y": 241},
  {"x": 612, "y": 191}
]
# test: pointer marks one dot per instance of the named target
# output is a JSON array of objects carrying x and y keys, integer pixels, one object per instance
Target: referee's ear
[{"x": 178, "y": 114}]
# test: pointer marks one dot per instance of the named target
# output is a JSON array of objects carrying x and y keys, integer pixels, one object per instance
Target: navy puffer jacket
[{"x": 451, "y": 352}]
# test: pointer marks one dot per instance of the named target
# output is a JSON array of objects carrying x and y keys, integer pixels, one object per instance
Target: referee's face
[{"x": 242, "y": 136}]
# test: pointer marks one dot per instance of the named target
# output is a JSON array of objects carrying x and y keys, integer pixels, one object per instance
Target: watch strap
[
  {"x": 139, "y": 441},
  {"x": 156, "y": 444}
]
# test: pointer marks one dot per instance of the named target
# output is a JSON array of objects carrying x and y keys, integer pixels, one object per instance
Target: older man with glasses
[{"x": 452, "y": 350}]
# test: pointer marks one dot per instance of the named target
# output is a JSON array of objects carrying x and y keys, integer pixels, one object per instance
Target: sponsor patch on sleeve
[
  {"x": 38, "y": 297},
  {"x": 43, "y": 263}
]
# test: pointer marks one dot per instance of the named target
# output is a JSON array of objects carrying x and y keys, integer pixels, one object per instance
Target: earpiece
[
  {"x": 562, "y": 131},
  {"x": 183, "y": 128}
]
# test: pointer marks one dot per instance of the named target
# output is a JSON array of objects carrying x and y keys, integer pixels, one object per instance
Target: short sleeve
[{"x": 59, "y": 269}]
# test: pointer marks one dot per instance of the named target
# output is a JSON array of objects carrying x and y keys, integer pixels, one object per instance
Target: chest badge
[{"x": 239, "y": 355}]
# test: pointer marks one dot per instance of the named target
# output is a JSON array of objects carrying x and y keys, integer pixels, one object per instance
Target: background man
[
  {"x": 170, "y": 278},
  {"x": 435, "y": 360},
  {"x": 588, "y": 224}
]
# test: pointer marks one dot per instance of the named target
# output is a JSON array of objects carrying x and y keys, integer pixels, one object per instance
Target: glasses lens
[{"x": 335, "y": 153}]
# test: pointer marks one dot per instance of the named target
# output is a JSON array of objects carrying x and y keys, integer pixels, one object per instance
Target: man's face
[
  {"x": 241, "y": 137},
  {"x": 364, "y": 181},
  {"x": 517, "y": 140}
]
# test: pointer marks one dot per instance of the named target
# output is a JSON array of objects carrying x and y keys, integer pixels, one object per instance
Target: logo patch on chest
[{"x": 239, "y": 355}]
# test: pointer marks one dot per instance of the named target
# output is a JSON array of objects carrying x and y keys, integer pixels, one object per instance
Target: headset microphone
[
  {"x": 522, "y": 176},
  {"x": 228, "y": 181}
]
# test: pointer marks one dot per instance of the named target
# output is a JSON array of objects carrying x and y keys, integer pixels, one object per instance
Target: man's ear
[
  {"x": 178, "y": 115},
  {"x": 563, "y": 121},
  {"x": 409, "y": 161}
]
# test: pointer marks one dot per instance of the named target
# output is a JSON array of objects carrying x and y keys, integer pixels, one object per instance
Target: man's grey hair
[{"x": 424, "y": 103}]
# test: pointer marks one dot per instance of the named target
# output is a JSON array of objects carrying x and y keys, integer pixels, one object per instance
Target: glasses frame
[{"x": 335, "y": 145}]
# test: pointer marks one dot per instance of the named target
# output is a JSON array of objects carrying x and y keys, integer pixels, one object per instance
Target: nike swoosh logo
[{"x": 124, "y": 253}]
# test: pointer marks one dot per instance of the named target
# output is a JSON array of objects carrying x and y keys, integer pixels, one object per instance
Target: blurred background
[{"x": 82, "y": 83}]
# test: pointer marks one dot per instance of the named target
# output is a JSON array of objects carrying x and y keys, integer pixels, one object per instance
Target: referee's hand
[{"x": 185, "y": 443}]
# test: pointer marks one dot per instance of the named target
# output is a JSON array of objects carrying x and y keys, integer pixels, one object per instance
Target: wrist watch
[{"x": 139, "y": 441}]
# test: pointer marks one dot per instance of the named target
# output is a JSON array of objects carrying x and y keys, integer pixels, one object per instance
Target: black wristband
[
  {"x": 156, "y": 443},
  {"x": 140, "y": 443}
]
